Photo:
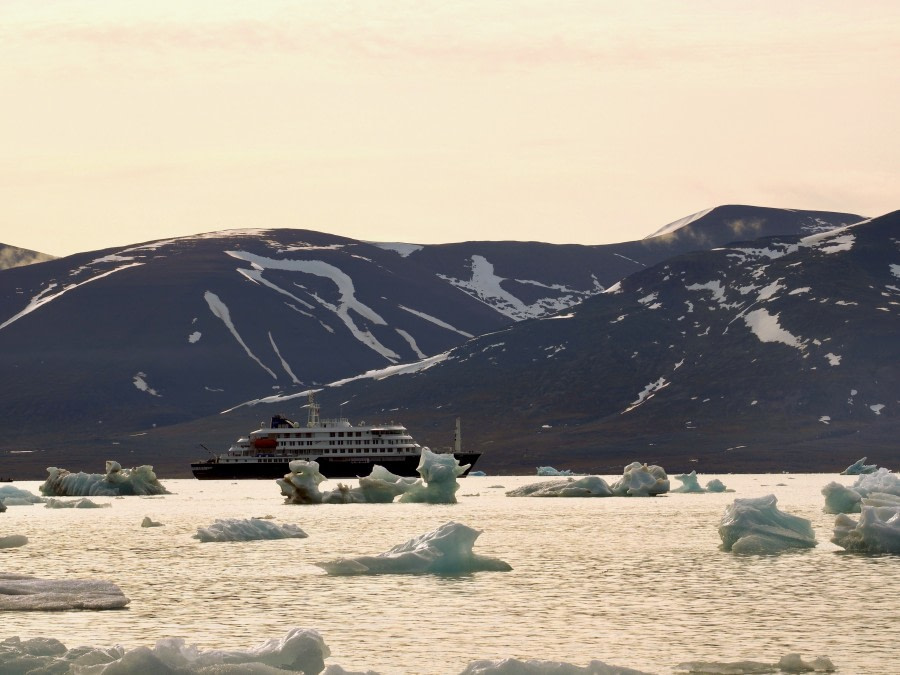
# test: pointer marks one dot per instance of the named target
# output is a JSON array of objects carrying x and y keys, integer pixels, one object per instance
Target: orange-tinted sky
[{"x": 430, "y": 121}]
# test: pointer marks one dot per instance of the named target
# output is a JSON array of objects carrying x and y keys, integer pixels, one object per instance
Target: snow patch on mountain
[
  {"x": 833, "y": 359},
  {"x": 194, "y": 337},
  {"x": 348, "y": 300},
  {"x": 647, "y": 393},
  {"x": 399, "y": 369},
  {"x": 486, "y": 286},
  {"x": 895, "y": 270},
  {"x": 678, "y": 224},
  {"x": 220, "y": 311},
  {"x": 412, "y": 343},
  {"x": 405, "y": 250},
  {"x": 284, "y": 364},
  {"x": 435, "y": 321},
  {"x": 141, "y": 384},
  {"x": 765, "y": 326},
  {"x": 43, "y": 298}
]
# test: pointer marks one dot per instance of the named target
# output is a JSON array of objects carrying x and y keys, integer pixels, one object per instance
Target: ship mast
[
  {"x": 312, "y": 419},
  {"x": 457, "y": 439}
]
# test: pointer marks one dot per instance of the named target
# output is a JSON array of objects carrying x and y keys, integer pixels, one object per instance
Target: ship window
[{"x": 331, "y": 434}]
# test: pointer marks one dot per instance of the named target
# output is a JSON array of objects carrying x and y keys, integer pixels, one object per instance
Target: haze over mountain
[
  {"x": 13, "y": 256},
  {"x": 157, "y": 339}
]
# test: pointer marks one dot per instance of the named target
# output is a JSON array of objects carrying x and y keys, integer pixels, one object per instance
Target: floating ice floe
[
  {"x": 149, "y": 522},
  {"x": 19, "y": 592},
  {"x": 757, "y": 526},
  {"x": 437, "y": 485},
  {"x": 83, "y": 503},
  {"x": 10, "y": 495},
  {"x": 790, "y": 663},
  {"x": 859, "y": 467},
  {"x": 300, "y": 650},
  {"x": 690, "y": 483},
  {"x": 877, "y": 531},
  {"x": 638, "y": 480},
  {"x": 13, "y": 541},
  {"x": 536, "y": 667},
  {"x": 881, "y": 486},
  {"x": 550, "y": 471},
  {"x": 115, "y": 482},
  {"x": 253, "y": 529},
  {"x": 445, "y": 550}
]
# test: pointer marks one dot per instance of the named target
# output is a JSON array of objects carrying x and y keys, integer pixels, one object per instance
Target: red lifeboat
[{"x": 264, "y": 443}]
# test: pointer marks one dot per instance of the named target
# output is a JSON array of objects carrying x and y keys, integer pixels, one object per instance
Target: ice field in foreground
[
  {"x": 115, "y": 482},
  {"x": 25, "y": 593},
  {"x": 445, "y": 550}
]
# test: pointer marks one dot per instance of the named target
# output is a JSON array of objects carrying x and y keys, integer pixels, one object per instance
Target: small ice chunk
[
  {"x": 10, "y": 495},
  {"x": 513, "y": 666},
  {"x": 148, "y": 522},
  {"x": 13, "y": 541},
  {"x": 300, "y": 650},
  {"x": 115, "y": 482},
  {"x": 757, "y": 526},
  {"x": 877, "y": 531},
  {"x": 841, "y": 499},
  {"x": 19, "y": 592},
  {"x": 445, "y": 550},
  {"x": 83, "y": 503},
  {"x": 859, "y": 467},
  {"x": 439, "y": 483},
  {"x": 550, "y": 471},
  {"x": 589, "y": 486},
  {"x": 235, "y": 529},
  {"x": 689, "y": 483},
  {"x": 789, "y": 663},
  {"x": 641, "y": 480},
  {"x": 715, "y": 485}
]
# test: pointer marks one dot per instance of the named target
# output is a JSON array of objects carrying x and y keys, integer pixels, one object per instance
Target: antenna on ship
[
  {"x": 457, "y": 438},
  {"x": 313, "y": 418}
]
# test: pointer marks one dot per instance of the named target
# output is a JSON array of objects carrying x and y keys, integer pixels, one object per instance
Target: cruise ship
[{"x": 343, "y": 450}]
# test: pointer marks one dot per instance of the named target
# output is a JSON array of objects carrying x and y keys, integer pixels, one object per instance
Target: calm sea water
[{"x": 633, "y": 582}]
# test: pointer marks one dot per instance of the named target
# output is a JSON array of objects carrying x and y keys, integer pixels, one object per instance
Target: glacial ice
[
  {"x": 513, "y": 666},
  {"x": 115, "y": 482},
  {"x": 550, "y": 471},
  {"x": 445, "y": 550},
  {"x": 789, "y": 663},
  {"x": 638, "y": 480},
  {"x": 300, "y": 650},
  {"x": 253, "y": 529},
  {"x": 690, "y": 483},
  {"x": 10, "y": 495},
  {"x": 859, "y": 467},
  {"x": 881, "y": 485},
  {"x": 437, "y": 485},
  {"x": 149, "y": 522},
  {"x": 83, "y": 503},
  {"x": 13, "y": 541},
  {"x": 756, "y": 525},
  {"x": 877, "y": 531},
  {"x": 20, "y": 592}
]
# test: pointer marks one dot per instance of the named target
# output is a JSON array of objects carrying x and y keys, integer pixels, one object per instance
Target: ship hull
[{"x": 336, "y": 467}]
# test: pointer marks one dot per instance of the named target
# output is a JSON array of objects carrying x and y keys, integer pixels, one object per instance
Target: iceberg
[
  {"x": 690, "y": 483},
  {"x": 300, "y": 650},
  {"x": 13, "y": 541},
  {"x": 83, "y": 503},
  {"x": 589, "y": 486},
  {"x": 638, "y": 480},
  {"x": 25, "y": 593},
  {"x": 536, "y": 667},
  {"x": 881, "y": 485},
  {"x": 445, "y": 550},
  {"x": 149, "y": 522},
  {"x": 550, "y": 471},
  {"x": 234, "y": 529},
  {"x": 757, "y": 526},
  {"x": 859, "y": 467},
  {"x": 437, "y": 485},
  {"x": 115, "y": 482},
  {"x": 789, "y": 663},
  {"x": 13, "y": 496},
  {"x": 877, "y": 531}
]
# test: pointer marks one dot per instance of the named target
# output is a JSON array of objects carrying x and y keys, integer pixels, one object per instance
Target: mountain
[
  {"x": 134, "y": 345},
  {"x": 778, "y": 354},
  {"x": 12, "y": 256}
]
